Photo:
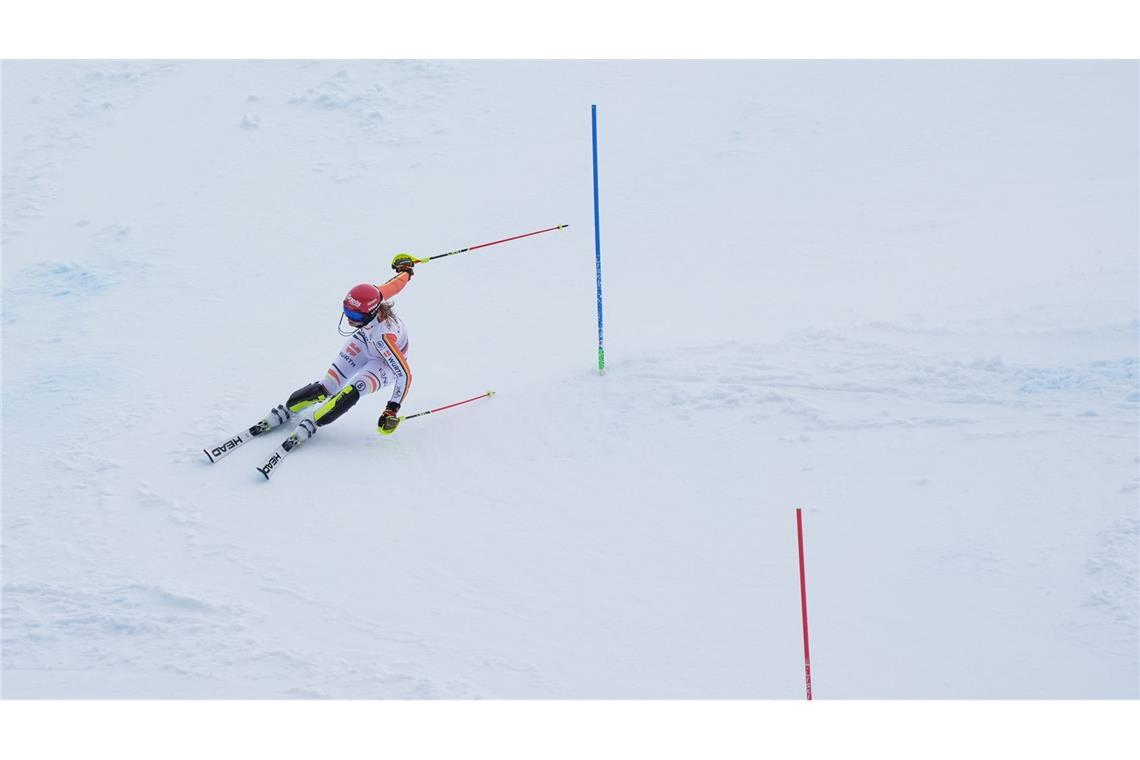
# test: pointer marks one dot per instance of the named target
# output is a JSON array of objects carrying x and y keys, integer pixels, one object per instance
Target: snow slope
[{"x": 902, "y": 296}]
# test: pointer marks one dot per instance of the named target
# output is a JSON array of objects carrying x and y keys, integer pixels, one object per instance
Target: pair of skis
[{"x": 303, "y": 432}]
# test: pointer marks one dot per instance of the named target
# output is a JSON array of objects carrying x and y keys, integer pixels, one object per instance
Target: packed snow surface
[{"x": 901, "y": 296}]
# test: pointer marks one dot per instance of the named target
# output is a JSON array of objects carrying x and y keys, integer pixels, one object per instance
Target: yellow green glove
[
  {"x": 405, "y": 262},
  {"x": 388, "y": 421}
]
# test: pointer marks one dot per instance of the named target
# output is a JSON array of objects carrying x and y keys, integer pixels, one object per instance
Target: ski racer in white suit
[{"x": 374, "y": 357}]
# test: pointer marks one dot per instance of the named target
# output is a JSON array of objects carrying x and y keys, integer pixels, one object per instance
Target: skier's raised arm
[
  {"x": 405, "y": 268},
  {"x": 394, "y": 285}
]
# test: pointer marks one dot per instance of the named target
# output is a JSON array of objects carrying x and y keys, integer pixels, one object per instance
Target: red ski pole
[
  {"x": 484, "y": 245},
  {"x": 488, "y": 394}
]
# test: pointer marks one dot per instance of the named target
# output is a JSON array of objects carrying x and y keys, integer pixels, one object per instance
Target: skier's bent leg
[
  {"x": 302, "y": 398},
  {"x": 361, "y": 385},
  {"x": 337, "y": 405}
]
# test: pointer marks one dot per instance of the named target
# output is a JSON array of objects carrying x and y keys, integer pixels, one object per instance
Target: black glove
[{"x": 388, "y": 421}]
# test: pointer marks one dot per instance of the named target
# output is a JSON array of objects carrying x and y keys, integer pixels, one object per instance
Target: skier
[{"x": 374, "y": 357}]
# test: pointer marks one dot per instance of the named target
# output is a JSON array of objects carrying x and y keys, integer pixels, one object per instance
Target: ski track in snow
[{"x": 969, "y": 481}]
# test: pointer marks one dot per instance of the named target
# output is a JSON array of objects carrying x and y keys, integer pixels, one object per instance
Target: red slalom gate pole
[{"x": 803, "y": 600}]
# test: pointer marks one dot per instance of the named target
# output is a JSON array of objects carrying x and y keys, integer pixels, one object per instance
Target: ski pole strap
[
  {"x": 493, "y": 242},
  {"x": 488, "y": 394}
]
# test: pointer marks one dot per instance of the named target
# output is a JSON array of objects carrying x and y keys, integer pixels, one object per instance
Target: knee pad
[
  {"x": 337, "y": 405},
  {"x": 313, "y": 393}
]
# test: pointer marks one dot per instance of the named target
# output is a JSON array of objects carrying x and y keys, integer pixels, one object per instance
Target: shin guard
[
  {"x": 337, "y": 405},
  {"x": 313, "y": 393}
]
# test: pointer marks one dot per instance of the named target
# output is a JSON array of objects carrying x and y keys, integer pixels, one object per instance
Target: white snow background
[{"x": 899, "y": 295}]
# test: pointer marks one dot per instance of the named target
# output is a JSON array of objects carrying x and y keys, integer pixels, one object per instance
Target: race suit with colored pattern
[{"x": 376, "y": 354}]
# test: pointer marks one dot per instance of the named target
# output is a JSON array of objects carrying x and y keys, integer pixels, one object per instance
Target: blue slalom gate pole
[{"x": 598, "y": 242}]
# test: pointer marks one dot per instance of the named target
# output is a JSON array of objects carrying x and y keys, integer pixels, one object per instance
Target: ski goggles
[{"x": 357, "y": 316}]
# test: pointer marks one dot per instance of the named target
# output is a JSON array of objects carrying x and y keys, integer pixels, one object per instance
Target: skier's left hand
[{"x": 388, "y": 421}]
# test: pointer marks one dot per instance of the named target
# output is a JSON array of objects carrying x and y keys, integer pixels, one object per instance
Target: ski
[
  {"x": 214, "y": 453},
  {"x": 225, "y": 447},
  {"x": 306, "y": 430}
]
